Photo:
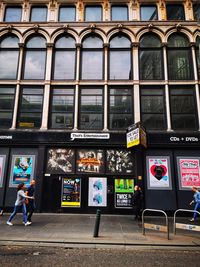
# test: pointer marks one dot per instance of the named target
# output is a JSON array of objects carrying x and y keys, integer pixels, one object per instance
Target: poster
[
  {"x": 22, "y": 169},
  {"x": 124, "y": 189},
  {"x": 60, "y": 161},
  {"x": 71, "y": 193},
  {"x": 158, "y": 173},
  {"x": 90, "y": 161},
  {"x": 2, "y": 167},
  {"x": 188, "y": 172},
  {"x": 97, "y": 196}
]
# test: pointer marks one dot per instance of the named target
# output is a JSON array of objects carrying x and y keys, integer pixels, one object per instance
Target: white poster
[
  {"x": 2, "y": 163},
  {"x": 97, "y": 196}
]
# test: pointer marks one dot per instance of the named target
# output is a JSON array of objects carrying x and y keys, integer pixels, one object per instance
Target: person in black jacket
[{"x": 137, "y": 202}]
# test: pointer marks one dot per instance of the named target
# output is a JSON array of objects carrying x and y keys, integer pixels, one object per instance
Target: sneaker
[
  {"x": 192, "y": 220},
  {"x": 9, "y": 223},
  {"x": 1, "y": 212},
  {"x": 27, "y": 223}
]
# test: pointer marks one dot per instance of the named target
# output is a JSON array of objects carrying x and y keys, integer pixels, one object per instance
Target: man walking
[
  {"x": 196, "y": 201},
  {"x": 31, "y": 202}
]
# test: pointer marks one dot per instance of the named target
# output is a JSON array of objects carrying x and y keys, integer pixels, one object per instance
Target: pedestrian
[
  {"x": 20, "y": 205},
  {"x": 30, "y": 203},
  {"x": 196, "y": 201},
  {"x": 137, "y": 202}
]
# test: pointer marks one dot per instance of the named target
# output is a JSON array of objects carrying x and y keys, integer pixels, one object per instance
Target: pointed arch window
[{"x": 198, "y": 55}]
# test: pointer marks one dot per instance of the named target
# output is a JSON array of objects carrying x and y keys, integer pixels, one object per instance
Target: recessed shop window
[
  {"x": 38, "y": 14},
  {"x": 152, "y": 101},
  {"x": 62, "y": 108},
  {"x": 148, "y": 12},
  {"x": 7, "y": 98},
  {"x": 197, "y": 45},
  {"x": 93, "y": 13},
  {"x": 67, "y": 13},
  {"x": 9, "y": 56},
  {"x": 175, "y": 12},
  {"x": 196, "y": 11},
  {"x": 13, "y": 14},
  {"x": 119, "y": 12},
  {"x": 120, "y": 108},
  {"x": 183, "y": 108},
  {"x": 30, "y": 107}
]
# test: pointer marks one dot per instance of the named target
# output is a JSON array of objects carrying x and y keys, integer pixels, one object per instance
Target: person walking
[
  {"x": 30, "y": 203},
  {"x": 137, "y": 202},
  {"x": 20, "y": 205},
  {"x": 196, "y": 201}
]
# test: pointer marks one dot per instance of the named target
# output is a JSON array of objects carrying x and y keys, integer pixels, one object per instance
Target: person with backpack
[{"x": 196, "y": 200}]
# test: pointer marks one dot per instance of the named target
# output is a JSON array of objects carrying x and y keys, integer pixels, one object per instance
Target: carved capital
[{"x": 36, "y": 27}]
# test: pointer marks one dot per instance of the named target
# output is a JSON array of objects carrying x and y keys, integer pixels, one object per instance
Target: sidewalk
[{"x": 77, "y": 230}]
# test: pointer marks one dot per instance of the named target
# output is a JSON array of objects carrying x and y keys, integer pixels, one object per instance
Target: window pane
[
  {"x": 35, "y": 65},
  {"x": 120, "y": 121},
  {"x": 196, "y": 10},
  {"x": 93, "y": 13},
  {"x": 119, "y": 13},
  {"x": 39, "y": 14},
  {"x": 120, "y": 41},
  {"x": 91, "y": 104},
  {"x": 178, "y": 40},
  {"x": 120, "y": 104},
  {"x": 175, "y": 12},
  {"x": 30, "y": 120},
  {"x": 120, "y": 65},
  {"x": 182, "y": 104},
  {"x": 60, "y": 120},
  {"x": 8, "y": 64},
  {"x": 65, "y": 42},
  {"x": 150, "y": 40},
  {"x": 36, "y": 42},
  {"x": 91, "y": 121},
  {"x": 9, "y": 42},
  {"x": 62, "y": 103},
  {"x": 64, "y": 65},
  {"x": 93, "y": 42},
  {"x": 67, "y": 13},
  {"x": 13, "y": 14},
  {"x": 152, "y": 104},
  {"x": 154, "y": 121},
  {"x": 92, "y": 65},
  {"x": 5, "y": 120},
  {"x": 31, "y": 103},
  {"x": 6, "y": 102},
  {"x": 184, "y": 122},
  {"x": 148, "y": 13}
]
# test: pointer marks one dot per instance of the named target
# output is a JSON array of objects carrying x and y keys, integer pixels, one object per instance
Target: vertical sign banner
[
  {"x": 22, "y": 169},
  {"x": 97, "y": 196},
  {"x": 71, "y": 196},
  {"x": 158, "y": 173},
  {"x": 188, "y": 172},
  {"x": 123, "y": 193},
  {"x": 2, "y": 167}
]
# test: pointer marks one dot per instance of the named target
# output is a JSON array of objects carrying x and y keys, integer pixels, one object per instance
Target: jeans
[
  {"x": 18, "y": 209},
  {"x": 197, "y": 206}
]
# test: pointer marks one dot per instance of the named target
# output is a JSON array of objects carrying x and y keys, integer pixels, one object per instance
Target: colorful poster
[
  {"x": 71, "y": 193},
  {"x": 60, "y": 161},
  {"x": 158, "y": 173},
  {"x": 124, "y": 189},
  {"x": 189, "y": 172},
  {"x": 97, "y": 196},
  {"x": 90, "y": 161},
  {"x": 2, "y": 167}
]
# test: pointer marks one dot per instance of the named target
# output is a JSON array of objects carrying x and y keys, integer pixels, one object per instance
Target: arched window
[
  {"x": 35, "y": 58},
  {"x": 64, "y": 58},
  {"x": 9, "y": 55},
  {"x": 198, "y": 55},
  {"x": 92, "y": 58},
  {"x": 151, "y": 58},
  {"x": 120, "y": 58},
  {"x": 179, "y": 58}
]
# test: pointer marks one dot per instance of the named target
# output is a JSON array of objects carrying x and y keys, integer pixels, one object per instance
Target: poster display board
[
  {"x": 158, "y": 173},
  {"x": 71, "y": 193},
  {"x": 22, "y": 170},
  {"x": 124, "y": 189},
  {"x": 97, "y": 195},
  {"x": 90, "y": 161},
  {"x": 2, "y": 167},
  {"x": 188, "y": 172}
]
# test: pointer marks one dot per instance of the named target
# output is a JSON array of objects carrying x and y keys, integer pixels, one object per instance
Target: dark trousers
[
  {"x": 137, "y": 211},
  {"x": 30, "y": 210}
]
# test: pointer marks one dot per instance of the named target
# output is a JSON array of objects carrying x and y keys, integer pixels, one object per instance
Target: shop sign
[
  {"x": 2, "y": 167},
  {"x": 184, "y": 139},
  {"x": 123, "y": 193},
  {"x": 6, "y": 137},
  {"x": 97, "y": 196},
  {"x": 136, "y": 135},
  {"x": 71, "y": 196},
  {"x": 89, "y": 136}
]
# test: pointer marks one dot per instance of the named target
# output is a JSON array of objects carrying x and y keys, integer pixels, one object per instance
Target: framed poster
[
  {"x": 97, "y": 196},
  {"x": 90, "y": 161},
  {"x": 188, "y": 172},
  {"x": 71, "y": 193},
  {"x": 22, "y": 170},
  {"x": 2, "y": 168},
  {"x": 158, "y": 173},
  {"x": 60, "y": 161},
  {"x": 124, "y": 189}
]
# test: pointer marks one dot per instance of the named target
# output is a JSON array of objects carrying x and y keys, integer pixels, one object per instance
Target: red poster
[{"x": 189, "y": 172}]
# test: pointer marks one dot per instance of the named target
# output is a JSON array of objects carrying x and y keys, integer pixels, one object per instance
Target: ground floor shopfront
[{"x": 80, "y": 172}]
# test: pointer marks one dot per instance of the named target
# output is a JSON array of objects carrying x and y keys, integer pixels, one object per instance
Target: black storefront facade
[{"x": 88, "y": 158}]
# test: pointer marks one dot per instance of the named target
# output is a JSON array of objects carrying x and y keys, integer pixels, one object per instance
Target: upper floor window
[
  {"x": 93, "y": 13},
  {"x": 148, "y": 12},
  {"x": 196, "y": 11},
  {"x": 175, "y": 12},
  {"x": 198, "y": 55},
  {"x": 9, "y": 55},
  {"x": 67, "y": 13},
  {"x": 119, "y": 12},
  {"x": 13, "y": 14},
  {"x": 38, "y": 14},
  {"x": 7, "y": 97}
]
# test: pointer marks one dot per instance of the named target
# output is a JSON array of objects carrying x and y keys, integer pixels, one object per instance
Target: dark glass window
[
  {"x": 120, "y": 58},
  {"x": 119, "y": 13},
  {"x": 196, "y": 11},
  {"x": 93, "y": 13},
  {"x": 151, "y": 58},
  {"x": 183, "y": 108},
  {"x": 7, "y": 98},
  {"x": 35, "y": 58},
  {"x": 92, "y": 58},
  {"x": 62, "y": 108},
  {"x": 9, "y": 55},
  {"x": 120, "y": 108},
  {"x": 30, "y": 107},
  {"x": 148, "y": 12},
  {"x": 67, "y": 13},
  {"x": 198, "y": 55},
  {"x": 13, "y": 14},
  {"x": 38, "y": 14},
  {"x": 175, "y": 12},
  {"x": 64, "y": 58},
  {"x": 153, "y": 108},
  {"x": 179, "y": 58},
  {"x": 91, "y": 109}
]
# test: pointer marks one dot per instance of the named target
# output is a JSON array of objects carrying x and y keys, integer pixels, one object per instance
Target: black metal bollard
[{"x": 97, "y": 223}]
